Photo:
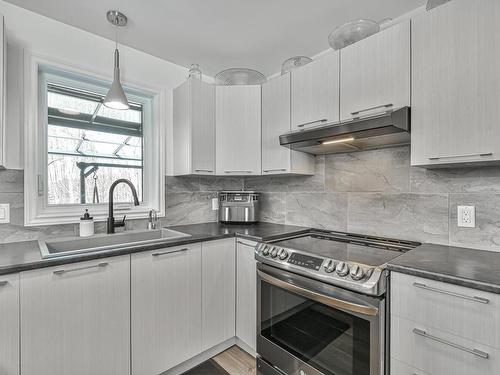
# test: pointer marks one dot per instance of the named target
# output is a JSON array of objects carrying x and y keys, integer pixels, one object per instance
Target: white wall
[{"x": 53, "y": 39}]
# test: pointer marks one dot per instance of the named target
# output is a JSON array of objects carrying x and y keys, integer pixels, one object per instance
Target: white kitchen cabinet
[
  {"x": 238, "y": 130},
  {"x": 455, "y": 85},
  {"x": 442, "y": 328},
  {"x": 3, "y": 64},
  {"x": 375, "y": 73},
  {"x": 75, "y": 318},
  {"x": 277, "y": 159},
  {"x": 194, "y": 128},
  {"x": 246, "y": 293},
  {"x": 9, "y": 324},
  {"x": 218, "y": 291},
  {"x": 315, "y": 92},
  {"x": 166, "y": 308}
]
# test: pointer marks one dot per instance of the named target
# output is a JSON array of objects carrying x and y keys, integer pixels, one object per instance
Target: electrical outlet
[
  {"x": 4, "y": 213},
  {"x": 466, "y": 216}
]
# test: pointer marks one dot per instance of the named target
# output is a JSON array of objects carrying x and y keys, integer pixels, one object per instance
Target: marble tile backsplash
[{"x": 373, "y": 192}]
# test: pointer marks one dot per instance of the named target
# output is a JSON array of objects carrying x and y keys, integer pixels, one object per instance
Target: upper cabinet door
[
  {"x": 194, "y": 128},
  {"x": 238, "y": 130},
  {"x": 375, "y": 73},
  {"x": 315, "y": 92},
  {"x": 455, "y": 84},
  {"x": 277, "y": 159}
]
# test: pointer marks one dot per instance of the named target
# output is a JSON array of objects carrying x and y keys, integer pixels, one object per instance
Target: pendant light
[{"x": 116, "y": 98}]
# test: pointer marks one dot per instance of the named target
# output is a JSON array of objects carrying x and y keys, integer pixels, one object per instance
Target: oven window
[{"x": 333, "y": 342}]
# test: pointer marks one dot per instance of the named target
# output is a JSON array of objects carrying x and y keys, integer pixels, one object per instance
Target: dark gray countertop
[
  {"x": 472, "y": 268},
  {"x": 22, "y": 256}
]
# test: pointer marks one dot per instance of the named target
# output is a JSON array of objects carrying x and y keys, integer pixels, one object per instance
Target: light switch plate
[
  {"x": 466, "y": 216},
  {"x": 4, "y": 213}
]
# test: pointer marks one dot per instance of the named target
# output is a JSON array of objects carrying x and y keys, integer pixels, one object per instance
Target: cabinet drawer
[
  {"x": 461, "y": 311},
  {"x": 400, "y": 368},
  {"x": 438, "y": 352}
]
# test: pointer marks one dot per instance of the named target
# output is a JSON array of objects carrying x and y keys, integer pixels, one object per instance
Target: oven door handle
[{"x": 319, "y": 297}]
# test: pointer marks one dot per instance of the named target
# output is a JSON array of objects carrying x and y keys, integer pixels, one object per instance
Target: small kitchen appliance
[{"x": 238, "y": 207}]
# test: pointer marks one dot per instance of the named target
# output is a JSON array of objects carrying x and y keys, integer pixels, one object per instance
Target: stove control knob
[
  {"x": 329, "y": 266},
  {"x": 265, "y": 250},
  {"x": 274, "y": 252},
  {"x": 283, "y": 254},
  {"x": 342, "y": 269},
  {"x": 357, "y": 272}
]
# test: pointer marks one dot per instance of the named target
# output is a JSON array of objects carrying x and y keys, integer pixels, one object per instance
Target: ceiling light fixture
[
  {"x": 338, "y": 141},
  {"x": 116, "y": 98}
]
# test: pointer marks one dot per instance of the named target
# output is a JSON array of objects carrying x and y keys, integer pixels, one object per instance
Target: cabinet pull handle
[
  {"x": 463, "y": 296},
  {"x": 237, "y": 171},
  {"x": 312, "y": 122},
  {"x": 274, "y": 170},
  {"x": 203, "y": 170},
  {"x": 169, "y": 252},
  {"x": 461, "y": 156},
  {"x": 100, "y": 265},
  {"x": 389, "y": 105},
  {"x": 3, "y": 283},
  {"x": 474, "y": 351}
]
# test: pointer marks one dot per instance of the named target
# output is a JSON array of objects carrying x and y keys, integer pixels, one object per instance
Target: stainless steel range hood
[{"x": 392, "y": 128}]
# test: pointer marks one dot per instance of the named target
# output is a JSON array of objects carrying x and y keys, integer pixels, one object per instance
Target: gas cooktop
[{"x": 351, "y": 261}]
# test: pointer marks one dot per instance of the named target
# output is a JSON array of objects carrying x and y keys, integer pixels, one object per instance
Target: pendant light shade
[{"x": 116, "y": 97}]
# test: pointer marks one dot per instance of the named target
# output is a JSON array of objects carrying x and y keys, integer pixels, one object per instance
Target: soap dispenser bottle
[{"x": 86, "y": 225}]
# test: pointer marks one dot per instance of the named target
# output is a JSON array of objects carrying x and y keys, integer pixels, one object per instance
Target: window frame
[{"x": 37, "y": 211}]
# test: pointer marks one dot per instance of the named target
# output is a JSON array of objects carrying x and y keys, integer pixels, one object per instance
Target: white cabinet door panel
[
  {"x": 75, "y": 318},
  {"x": 315, "y": 92},
  {"x": 246, "y": 293},
  {"x": 218, "y": 291},
  {"x": 375, "y": 73},
  {"x": 458, "y": 310},
  {"x": 9, "y": 324},
  {"x": 166, "y": 308},
  {"x": 238, "y": 130},
  {"x": 455, "y": 96}
]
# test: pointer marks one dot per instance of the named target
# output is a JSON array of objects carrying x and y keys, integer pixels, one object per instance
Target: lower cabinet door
[
  {"x": 75, "y": 318},
  {"x": 166, "y": 308},
  {"x": 246, "y": 293},
  {"x": 218, "y": 291},
  {"x": 9, "y": 324}
]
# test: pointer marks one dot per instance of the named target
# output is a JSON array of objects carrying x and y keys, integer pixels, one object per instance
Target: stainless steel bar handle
[
  {"x": 463, "y": 296},
  {"x": 3, "y": 283},
  {"x": 169, "y": 252},
  {"x": 274, "y": 170},
  {"x": 460, "y": 156},
  {"x": 312, "y": 122},
  {"x": 236, "y": 171},
  {"x": 315, "y": 296},
  {"x": 99, "y": 265},
  {"x": 476, "y": 352},
  {"x": 389, "y": 105},
  {"x": 244, "y": 243},
  {"x": 203, "y": 170}
]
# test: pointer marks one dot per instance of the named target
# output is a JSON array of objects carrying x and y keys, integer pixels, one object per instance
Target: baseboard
[
  {"x": 244, "y": 346},
  {"x": 200, "y": 358}
]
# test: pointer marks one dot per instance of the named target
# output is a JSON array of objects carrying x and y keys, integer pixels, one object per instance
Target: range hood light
[{"x": 338, "y": 141}]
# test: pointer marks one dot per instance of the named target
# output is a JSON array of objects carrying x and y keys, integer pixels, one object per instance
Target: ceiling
[{"x": 219, "y": 34}]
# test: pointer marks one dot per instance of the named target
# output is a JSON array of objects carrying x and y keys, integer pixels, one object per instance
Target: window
[
  {"x": 90, "y": 146},
  {"x": 75, "y": 147}
]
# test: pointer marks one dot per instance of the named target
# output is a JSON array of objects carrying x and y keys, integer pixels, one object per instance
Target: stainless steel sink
[{"x": 66, "y": 246}]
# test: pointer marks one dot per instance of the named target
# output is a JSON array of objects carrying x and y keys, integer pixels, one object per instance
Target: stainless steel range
[{"x": 321, "y": 303}]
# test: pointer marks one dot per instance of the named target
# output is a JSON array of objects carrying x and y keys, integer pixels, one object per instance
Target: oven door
[{"x": 306, "y": 327}]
